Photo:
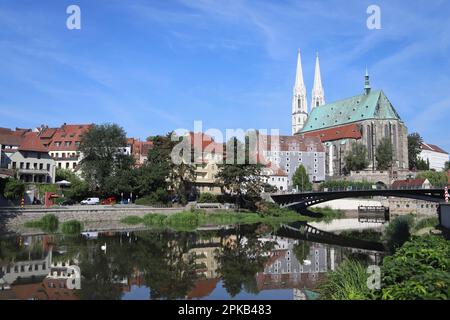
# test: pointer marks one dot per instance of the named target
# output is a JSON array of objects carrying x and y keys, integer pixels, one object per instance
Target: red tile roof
[
  {"x": 350, "y": 131},
  {"x": 408, "y": 183},
  {"x": 10, "y": 139},
  {"x": 70, "y": 134},
  {"x": 31, "y": 142},
  {"x": 432, "y": 147}
]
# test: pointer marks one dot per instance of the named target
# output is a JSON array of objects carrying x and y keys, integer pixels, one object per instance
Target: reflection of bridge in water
[
  {"x": 300, "y": 201},
  {"x": 304, "y": 231}
]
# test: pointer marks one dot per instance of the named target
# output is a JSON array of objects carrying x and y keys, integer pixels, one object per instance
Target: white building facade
[{"x": 434, "y": 155}]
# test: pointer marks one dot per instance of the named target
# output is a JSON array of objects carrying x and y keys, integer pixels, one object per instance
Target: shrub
[
  {"x": 426, "y": 223},
  {"x": 348, "y": 282},
  {"x": 48, "y": 223},
  {"x": 207, "y": 197},
  {"x": 398, "y": 232},
  {"x": 154, "y": 219},
  {"x": 345, "y": 184},
  {"x": 420, "y": 269},
  {"x": 158, "y": 197},
  {"x": 72, "y": 227},
  {"x": 132, "y": 220},
  {"x": 14, "y": 189}
]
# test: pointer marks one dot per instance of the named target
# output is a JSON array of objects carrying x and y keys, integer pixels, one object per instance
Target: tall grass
[
  {"x": 347, "y": 282},
  {"x": 48, "y": 223},
  {"x": 425, "y": 223},
  {"x": 72, "y": 227}
]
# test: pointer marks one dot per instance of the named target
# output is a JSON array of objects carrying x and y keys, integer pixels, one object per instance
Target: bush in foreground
[{"x": 348, "y": 282}]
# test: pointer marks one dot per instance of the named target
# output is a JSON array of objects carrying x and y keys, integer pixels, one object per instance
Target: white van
[{"x": 91, "y": 201}]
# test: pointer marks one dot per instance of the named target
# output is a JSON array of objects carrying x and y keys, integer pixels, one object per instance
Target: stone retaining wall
[{"x": 15, "y": 217}]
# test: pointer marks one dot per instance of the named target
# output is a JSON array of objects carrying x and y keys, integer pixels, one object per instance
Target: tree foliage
[
  {"x": 357, "y": 159},
  {"x": 384, "y": 154},
  {"x": 420, "y": 269},
  {"x": 14, "y": 189},
  {"x": 103, "y": 158},
  {"x": 414, "y": 149},
  {"x": 239, "y": 175},
  {"x": 160, "y": 172},
  {"x": 437, "y": 179},
  {"x": 300, "y": 179}
]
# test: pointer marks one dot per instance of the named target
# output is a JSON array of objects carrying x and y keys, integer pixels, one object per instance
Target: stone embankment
[{"x": 16, "y": 216}]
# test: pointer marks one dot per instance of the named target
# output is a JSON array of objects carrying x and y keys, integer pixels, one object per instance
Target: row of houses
[{"x": 33, "y": 155}]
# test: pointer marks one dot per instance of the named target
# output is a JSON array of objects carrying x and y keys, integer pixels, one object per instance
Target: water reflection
[{"x": 246, "y": 262}]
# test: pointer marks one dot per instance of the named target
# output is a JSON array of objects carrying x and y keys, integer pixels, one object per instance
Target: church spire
[
  {"x": 318, "y": 95},
  {"x": 366, "y": 83},
  {"x": 299, "y": 108}
]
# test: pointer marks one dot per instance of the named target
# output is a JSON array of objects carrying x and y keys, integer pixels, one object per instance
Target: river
[{"x": 233, "y": 262}]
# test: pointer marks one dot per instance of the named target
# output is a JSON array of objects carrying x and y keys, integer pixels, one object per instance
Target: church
[{"x": 366, "y": 118}]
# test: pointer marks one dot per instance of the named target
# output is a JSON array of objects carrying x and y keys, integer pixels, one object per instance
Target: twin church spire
[{"x": 299, "y": 103}]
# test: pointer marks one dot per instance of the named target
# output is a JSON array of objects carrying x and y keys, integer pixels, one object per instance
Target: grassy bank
[{"x": 50, "y": 223}]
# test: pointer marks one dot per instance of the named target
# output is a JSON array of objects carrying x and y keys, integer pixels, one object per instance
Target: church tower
[
  {"x": 318, "y": 95},
  {"x": 299, "y": 105}
]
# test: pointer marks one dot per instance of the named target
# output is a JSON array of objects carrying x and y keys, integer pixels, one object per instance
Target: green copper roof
[{"x": 375, "y": 105}]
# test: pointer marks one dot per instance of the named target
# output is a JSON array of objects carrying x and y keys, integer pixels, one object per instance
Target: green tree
[
  {"x": 414, "y": 149},
  {"x": 357, "y": 159},
  {"x": 422, "y": 164},
  {"x": 206, "y": 197},
  {"x": 447, "y": 166},
  {"x": 160, "y": 172},
  {"x": 240, "y": 175},
  {"x": 437, "y": 179},
  {"x": 300, "y": 179},
  {"x": 384, "y": 154},
  {"x": 14, "y": 189},
  {"x": 78, "y": 189},
  {"x": 101, "y": 147}
]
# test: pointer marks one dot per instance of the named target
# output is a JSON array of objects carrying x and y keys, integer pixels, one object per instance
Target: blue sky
[{"x": 154, "y": 66}]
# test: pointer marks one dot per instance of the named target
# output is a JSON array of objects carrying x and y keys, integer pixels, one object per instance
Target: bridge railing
[{"x": 357, "y": 188}]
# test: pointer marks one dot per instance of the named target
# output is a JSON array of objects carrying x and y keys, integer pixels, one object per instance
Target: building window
[
  {"x": 27, "y": 166},
  {"x": 14, "y": 165},
  {"x": 48, "y": 167},
  {"x": 74, "y": 165},
  {"x": 41, "y": 166}
]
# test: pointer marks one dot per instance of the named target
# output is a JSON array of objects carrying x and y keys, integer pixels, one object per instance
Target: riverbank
[{"x": 101, "y": 217}]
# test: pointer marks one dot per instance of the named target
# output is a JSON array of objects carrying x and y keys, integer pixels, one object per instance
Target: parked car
[
  {"x": 110, "y": 200},
  {"x": 68, "y": 202},
  {"x": 91, "y": 201}
]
